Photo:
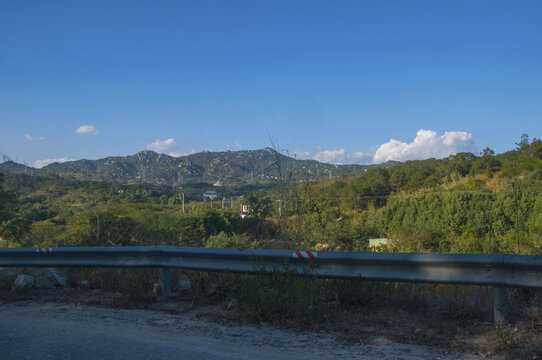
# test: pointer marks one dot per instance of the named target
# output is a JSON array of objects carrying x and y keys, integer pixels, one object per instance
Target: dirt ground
[{"x": 369, "y": 332}]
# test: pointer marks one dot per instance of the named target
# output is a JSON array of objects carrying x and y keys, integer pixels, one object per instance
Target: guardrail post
[
  {"x": 500, "y": 304},
  {"x": 166, "y": 282}
]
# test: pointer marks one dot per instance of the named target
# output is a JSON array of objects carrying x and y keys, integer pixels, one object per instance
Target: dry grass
[{"x": 457, "y": 318}]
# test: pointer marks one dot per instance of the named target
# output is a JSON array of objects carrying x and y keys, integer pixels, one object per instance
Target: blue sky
[{"x": 339, "y": 81}]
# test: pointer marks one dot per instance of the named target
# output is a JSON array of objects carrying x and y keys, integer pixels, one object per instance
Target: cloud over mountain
[
  {"x": 342, "y": 157},
  {"x": 41, "y": 163},
  {"x": 427, "y": 144},
  {"x": 162, "y": 146}
]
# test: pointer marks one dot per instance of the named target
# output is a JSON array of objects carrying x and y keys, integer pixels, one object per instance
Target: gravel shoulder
[{"x": 49, "y": 330}]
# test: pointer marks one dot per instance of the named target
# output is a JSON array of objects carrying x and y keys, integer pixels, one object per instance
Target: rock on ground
[
  {"x": 24, "y": 282},
  {"x": 49, "y": 278}
]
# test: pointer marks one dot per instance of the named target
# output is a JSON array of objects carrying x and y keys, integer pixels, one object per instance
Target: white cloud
[
  {"x": 179, "y": 154},
  {"x": 41, "y": 163},
  {"x": 330, "y": 155},
  {"x": 163, "y": 146},
  {"x": 29, "y": 137},
  {"x": 300, "y": 154},
  {"x": 360, "y": 157},
  {"x": 342, "y": 157},
  {"x": 238, "y": 145},
  {"x": 87, "y": 130},
  {"x": 427, "y": 144}
]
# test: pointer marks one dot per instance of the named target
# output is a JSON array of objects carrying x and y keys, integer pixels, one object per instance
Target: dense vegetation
[
  {"x": 463, "y": 203},
  {"x": 54, "y": 211}
]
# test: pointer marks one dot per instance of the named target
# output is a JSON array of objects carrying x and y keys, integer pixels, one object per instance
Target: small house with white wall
[{"x": 209, "y": 195}]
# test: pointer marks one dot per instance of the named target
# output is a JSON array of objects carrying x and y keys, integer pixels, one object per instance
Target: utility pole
[
  {"x": 223, "y": 198},
  {"x": 280, "y": 207},
  {"x": 143, "y": 175},
  {"x": 98, "y": 226},
  {"x": 181, "y": 197}
]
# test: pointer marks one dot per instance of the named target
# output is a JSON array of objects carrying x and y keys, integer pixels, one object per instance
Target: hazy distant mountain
[{"x": 222, "y": 168}]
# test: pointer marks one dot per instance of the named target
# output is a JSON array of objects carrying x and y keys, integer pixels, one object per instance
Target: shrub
[
  {"x": 277, "y": 296},
  {"x": 223, "y": 240}
]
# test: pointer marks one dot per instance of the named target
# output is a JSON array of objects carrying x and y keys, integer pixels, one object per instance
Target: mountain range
[{"x": 219, "y": 168}]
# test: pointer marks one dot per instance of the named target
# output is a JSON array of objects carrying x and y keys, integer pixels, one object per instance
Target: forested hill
[
  {"x": 462, "y": 203},
  {"x": 227, "y": 168}
]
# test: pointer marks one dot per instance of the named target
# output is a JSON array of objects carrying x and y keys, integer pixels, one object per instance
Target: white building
[{"x": 211, "y": 195}]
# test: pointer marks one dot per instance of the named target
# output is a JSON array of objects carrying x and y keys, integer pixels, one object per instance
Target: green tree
[
  {"x": 488, "y": 152},
  {"x": 523, "y": 144},
  {"x": 15, "y": 230},
  {"x": 7, "y": 201}
]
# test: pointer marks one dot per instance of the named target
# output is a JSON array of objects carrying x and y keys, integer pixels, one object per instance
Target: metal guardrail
[
  {"x": 499, "y": 270},
  {"x": 496, "y": 270}
]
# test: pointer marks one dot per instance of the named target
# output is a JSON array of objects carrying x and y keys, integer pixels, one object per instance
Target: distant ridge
[{"x": 225, "y": 168}]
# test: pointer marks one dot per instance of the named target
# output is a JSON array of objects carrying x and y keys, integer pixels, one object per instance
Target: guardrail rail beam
[{"x": 497, "y": 270}]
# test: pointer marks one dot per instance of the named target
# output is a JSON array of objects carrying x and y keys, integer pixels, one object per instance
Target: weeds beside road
[{"x": 357, "y": 313}]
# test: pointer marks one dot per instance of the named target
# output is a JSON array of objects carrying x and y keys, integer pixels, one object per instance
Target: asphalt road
[
  {"x": 25, "y": 338},
  {"x": 30, "y": 330}
]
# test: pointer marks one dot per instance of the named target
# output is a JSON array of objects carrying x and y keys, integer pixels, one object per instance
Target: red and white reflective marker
[
  {"x": 44, "y": 250},
  {"x": 305, "y": 254}
]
